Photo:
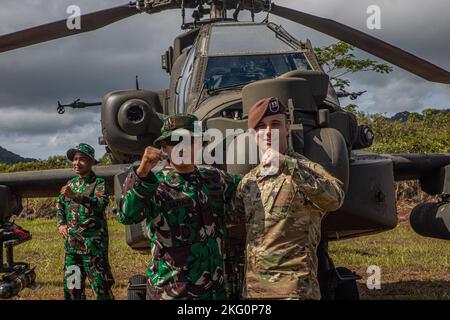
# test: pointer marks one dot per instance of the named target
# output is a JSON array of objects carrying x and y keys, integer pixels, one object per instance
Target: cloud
[
  {"x": 88, "y": 66},
  {"x": 409, "y": 25},
  {"x": 53, "y": 143},
  {"x": 36, "y": 122}
]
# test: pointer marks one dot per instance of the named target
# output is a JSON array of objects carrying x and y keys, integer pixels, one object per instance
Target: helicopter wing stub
[
  {"x": 368, "y": 43},
  {"x": 59, "y": 29},
  {"x": 47, "y": 183}
]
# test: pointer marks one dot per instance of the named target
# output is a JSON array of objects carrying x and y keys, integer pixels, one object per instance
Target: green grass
[
  {"x": 45, "y": 251},
  {"x": 412, "y": 267}
]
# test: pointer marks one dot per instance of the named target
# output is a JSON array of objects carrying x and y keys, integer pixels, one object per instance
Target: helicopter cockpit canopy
[{"x": 240, "y": 54}]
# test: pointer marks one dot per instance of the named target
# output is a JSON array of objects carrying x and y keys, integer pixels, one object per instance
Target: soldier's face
[
  {"x": 180, "y": 153},
  {"x": 272, "y": 132},
  {"x": 82, "y": 164}
]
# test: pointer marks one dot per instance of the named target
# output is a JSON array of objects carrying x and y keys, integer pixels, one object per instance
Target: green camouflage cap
[
  {"x": 173, "y": 125},
  {"x": 83, "y": 148}
]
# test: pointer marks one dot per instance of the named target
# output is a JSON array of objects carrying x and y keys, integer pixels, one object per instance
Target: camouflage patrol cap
[
  {"x": 174, "y": 125},
  {"x": 83, "y": 148},
  {"x": 264, "y": 108}
]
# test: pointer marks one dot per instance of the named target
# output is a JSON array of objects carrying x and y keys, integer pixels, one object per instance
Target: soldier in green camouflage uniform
[
  {"x": 283, "y": 212},
  {"x": 186, "y": 208},
  {"x": 81, "y": 220}
]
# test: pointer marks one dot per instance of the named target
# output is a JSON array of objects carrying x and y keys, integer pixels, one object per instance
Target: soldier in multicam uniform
[
  {"x": 186, "y": 208},
  {"x": 283, "y": 210},
  {"x": 81, "y": 220}
]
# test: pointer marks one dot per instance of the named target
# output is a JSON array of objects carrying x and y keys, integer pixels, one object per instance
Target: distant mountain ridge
[
  {"x": 404, "y": 115},
  {"x": 9, "y": 157}
]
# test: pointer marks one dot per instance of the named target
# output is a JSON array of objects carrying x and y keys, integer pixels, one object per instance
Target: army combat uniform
[
  {"x": 185, "y": 219},
  {"x": 283, "y": 214},
  {"x": 86, "y": 246},
  {"x": 283, "y": 211}
]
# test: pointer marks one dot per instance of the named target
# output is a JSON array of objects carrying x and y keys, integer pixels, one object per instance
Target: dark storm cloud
[
  {"x": 87, "y": 66},
  {"x": 36, "y": 122},
  {"x": 411, "y": 25}
]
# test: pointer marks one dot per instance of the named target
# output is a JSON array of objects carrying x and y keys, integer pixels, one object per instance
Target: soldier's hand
[
  {"x": 149, "y": 160},
  {"x": 272, "y": 158},
  {"x": 63, "y": 230}
]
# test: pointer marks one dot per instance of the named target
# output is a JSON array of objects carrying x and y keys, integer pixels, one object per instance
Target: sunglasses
[{"x": 174, "y": 143}]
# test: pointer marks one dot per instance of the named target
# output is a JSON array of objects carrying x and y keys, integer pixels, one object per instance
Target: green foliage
[
  {"x": 338, "y": 60},
  {"x": 54, "y": 162},
  {"x": 46, "y": 252},
  {"x": 425, "y": 132},
  {"x": 105, "y": 160}
]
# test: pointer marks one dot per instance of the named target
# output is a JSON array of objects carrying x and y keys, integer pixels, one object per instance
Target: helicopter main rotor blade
[
  {"x": 59, "y": 29},
  {"x": 372, "y": 45}
]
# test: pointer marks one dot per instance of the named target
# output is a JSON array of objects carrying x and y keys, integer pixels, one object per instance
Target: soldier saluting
[
  {"x": 81, "y": 221},
  {"x": 284, "y": 199},
  {"x": 185, "y": 207}
]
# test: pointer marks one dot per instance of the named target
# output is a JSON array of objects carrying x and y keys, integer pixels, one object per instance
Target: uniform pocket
[
  {"x": 284, "y": 196},
  {"x": 279, "y": 200}
]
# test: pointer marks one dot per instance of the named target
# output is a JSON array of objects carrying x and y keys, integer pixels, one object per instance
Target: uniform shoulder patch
[{"x": 99, "y": 180}]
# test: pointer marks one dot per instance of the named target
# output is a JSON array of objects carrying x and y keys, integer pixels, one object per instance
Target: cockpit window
[
  {"x": 184, "y": 82},
  {"x": 235, "y": 39},
  {"x": 225, "y": 71}
]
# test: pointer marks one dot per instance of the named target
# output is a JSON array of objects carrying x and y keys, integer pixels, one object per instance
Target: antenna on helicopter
[
  {"x": 224, "y": 10},
  {"x": 253, "y": 11},
  {"x": 137, "y": 82},
  {"x": 269, "y": 8},
  {"x": 183, "y": 14},
  {"x": 237, "y": 10}
]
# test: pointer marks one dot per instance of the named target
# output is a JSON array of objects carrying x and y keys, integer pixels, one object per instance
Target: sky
[{"x": 89, "y": 65}]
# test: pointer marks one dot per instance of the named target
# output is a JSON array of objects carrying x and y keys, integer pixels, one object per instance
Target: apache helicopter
[{"x": 219, "y": 67}]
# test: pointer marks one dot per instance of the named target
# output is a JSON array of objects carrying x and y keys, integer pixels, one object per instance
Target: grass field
[
  {"x": 46, "y": 252},
  {"x": 412, "y": 267}
]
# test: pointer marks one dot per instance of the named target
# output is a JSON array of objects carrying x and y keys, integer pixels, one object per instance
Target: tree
[{"x": 338, "y": 61}]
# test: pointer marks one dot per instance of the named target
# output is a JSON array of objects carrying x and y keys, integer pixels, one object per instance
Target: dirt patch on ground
[{"x": 410, "y": 195}]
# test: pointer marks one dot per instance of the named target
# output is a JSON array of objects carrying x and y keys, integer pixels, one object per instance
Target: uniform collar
[
  {"x": 174, "y": 179},
  {"x": 91, "y": 177}
]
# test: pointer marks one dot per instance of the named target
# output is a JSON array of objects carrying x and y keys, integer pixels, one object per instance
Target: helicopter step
[{"x": 335, "y": 283}]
